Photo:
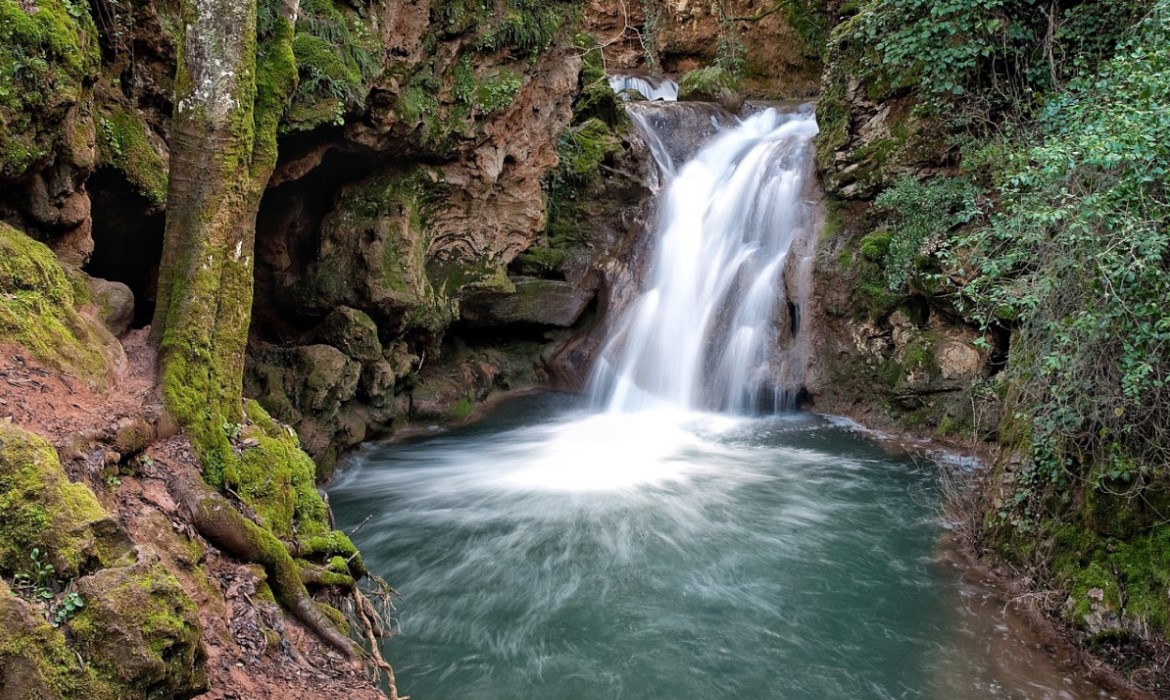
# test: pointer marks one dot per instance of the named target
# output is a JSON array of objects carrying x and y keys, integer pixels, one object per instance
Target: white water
[
  {"x": 650, "y": 87},
  {"x": 716, "y": 328}
]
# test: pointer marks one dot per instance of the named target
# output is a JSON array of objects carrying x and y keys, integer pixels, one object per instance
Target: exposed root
[
  {"x": 225, "y": 527},
  {"x": 374, "y": 627}
]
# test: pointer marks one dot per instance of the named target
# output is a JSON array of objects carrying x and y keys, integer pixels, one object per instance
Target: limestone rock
[
  {"x": 535, "y": 301},
  {"x": 353, "y": 333},
  {"x": 115, "y": 302}
]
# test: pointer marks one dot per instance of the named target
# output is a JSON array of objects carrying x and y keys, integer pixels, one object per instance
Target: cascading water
[
  {"x": 651, "y": 87},
  {"x": 717, "y": 328}
]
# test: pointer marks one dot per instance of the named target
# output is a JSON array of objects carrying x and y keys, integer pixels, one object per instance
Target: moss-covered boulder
[
  {"x": 48, "y": 52},
  {"x": 140, "y": 628},
  {"x": 353, "y": 333},
  {"x": 36, "y": 663},
  {"x": 44, "y": 510},
  {"x": 710, "y": 84},
  {"x": 39, "y": 310}
]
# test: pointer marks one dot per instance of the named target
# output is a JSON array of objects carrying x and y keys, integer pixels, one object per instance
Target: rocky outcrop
[{"x": 774, "y": 49}]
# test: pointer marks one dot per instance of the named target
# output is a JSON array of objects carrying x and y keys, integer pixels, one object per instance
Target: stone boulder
[{"x": 140, "y": 627}]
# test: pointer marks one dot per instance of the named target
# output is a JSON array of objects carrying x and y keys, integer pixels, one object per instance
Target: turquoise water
[{"x": 551, "y": 552}]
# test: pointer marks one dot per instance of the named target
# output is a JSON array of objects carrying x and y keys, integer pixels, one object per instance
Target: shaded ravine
[{"x": 677, "y": 534}]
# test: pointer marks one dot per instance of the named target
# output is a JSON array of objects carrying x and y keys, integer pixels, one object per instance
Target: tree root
[
  {"x": 374, "y": 628},
  {"x": 215, "y": 519}
]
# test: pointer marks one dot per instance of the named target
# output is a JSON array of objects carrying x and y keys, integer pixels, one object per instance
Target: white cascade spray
[
  {"x": 718, "y": 325},
  {"x": 651, "y": 87}
]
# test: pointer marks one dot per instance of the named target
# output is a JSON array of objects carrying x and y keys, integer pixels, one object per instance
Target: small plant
[
  {"x": 39, "y": 586},
  {"x": 69, "y": 605},
  {"x": 36, "y": 583},
  {"x": 232, "y": 430}
]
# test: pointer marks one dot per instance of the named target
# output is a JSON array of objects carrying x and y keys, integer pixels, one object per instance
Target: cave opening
[{"x": 128, "y": 239}]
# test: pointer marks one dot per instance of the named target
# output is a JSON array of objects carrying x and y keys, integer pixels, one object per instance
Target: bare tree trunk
[{"x": 230, "y": 92}]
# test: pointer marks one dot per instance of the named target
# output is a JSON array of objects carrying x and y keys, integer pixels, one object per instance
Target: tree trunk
[{"x": 230, "y": 92}]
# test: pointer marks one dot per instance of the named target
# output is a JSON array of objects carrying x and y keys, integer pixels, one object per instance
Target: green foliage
[
  {"x": 810, "y": 19},
  {"x": 337, "y": 55},
  {"x": 984, "y": 56},
  {"x": 527, "y": 27},
  {"x": 922, "y": 215},
  {"x": 1080, "y": 257}
]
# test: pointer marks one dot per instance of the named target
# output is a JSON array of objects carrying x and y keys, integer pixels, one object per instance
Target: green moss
[
  {"x": 497, "y": 91},
  {"x": 38, "y": 662},
  {"x": 875, "y": 246},
  {"x": 47, "y": 57},
  {"x": 462, "y": 409},
  {"x": 336, "y": 55},
  {"x": 38, "y": 310},
  {"x": 276, "y": 479},
  {"x": 43, "y": 509},
  {"x": 708, "y": 84},
  {"x": 140, "y": 628},
  {"x": 124, "y": 144}
]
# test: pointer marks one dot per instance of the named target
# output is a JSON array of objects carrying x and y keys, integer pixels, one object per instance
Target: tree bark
[{"x": 230, "y": 92}]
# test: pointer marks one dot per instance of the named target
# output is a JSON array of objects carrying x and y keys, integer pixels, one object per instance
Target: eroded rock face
[{"x": 682, "y": 35}]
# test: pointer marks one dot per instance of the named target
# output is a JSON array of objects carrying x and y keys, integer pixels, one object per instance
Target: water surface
[{"x": 551, "y": 552}]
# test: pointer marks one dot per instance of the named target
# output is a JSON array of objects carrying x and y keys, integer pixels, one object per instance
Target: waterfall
[
  {"x": 651, "y": 87},
  {"x": 718, "y": 325}
]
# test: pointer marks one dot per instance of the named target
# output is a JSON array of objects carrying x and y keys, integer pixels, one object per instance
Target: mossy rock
[
  {"x": 48, "y": 53},
  {"x": 126, "y": 144},
  {"x": 352, "y": 332},
  {"x": 710, "y": 84},
  {"x": 44, "y": 510},
  {"x": 36, "y": 663},
  {"x": 38, "y": 311},
  {"x": 140, "y": 628}
]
